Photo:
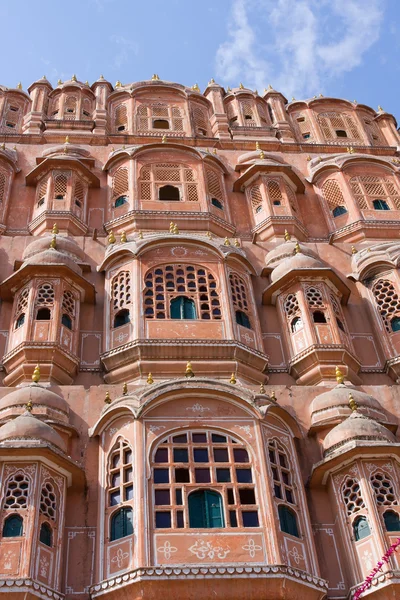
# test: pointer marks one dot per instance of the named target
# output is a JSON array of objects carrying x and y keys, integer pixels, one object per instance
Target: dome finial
[
  {"x": 241, "y": 86},
  {"x": 19, "y": 86},
  {"x": 111, "y": 238},
  {"x": 227, "y": 242},
  {"x": 189, "y": 370},
  {"x": 297, "y": 249},
  {"x": 262, "y": 389},
  {"x": 54, "y": 231},
  {"x": 261, "y": 155},
  {"x": 36, "y": 374},
  {"x": 287, "y": 236},
  {"x": 155, "y": 77},
  {"x": 125, "y": 389},
  {"x": 150, "y": 379},
  {"x": 176, "y": 229},
  {"x": 73, "y": 78},
  {"x": 339, "y": 376},
  {"x": 232, "y": 379},
  {"x": 195, "y": 87},
  {"x": 212, "y": 80},
  {"x": 272, "y": 396},
  {"x": 53, "y": 243},
  {"x": 107, "y": 399},
  {"x": 352, "y": 403},
  {"x": 164, "y": 139},
  {"x": 354, "y": 250},
  {"x": 123, "y": 237},
  {"x": 29, "y": 406}
]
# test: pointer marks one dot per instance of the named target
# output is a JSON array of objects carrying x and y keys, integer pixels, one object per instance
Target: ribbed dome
[
  {"x": 37, "y": 395},
  {"x": 28, "y": 427},
  {"x": 356, "y": 427},
  {"x": 53, "y": 257},
  {"x": 297, "y": 261},
  {"x": 335, "y": 404},
  {"x": 287, "y": 250},
  {"x": 64, "y": 245}
]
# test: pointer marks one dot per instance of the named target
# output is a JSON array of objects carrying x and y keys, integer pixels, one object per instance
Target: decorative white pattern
[
  {"x": 198, "y": 408},
  {"x": 44, "y": 565},
  {"x": 204, "y": 550},
  {"x": 251, "y": 547},
  {"x": 367, "y": 559},
  {"x": 246, "y": 429},
  {"x": 297, "y": 557},
  {"x": 154, "y": 428},
  {"x": 119, "y": 557},
  {"x": 167, "y": 549}
]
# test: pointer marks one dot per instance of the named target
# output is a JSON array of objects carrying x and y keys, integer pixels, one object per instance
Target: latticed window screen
[
  {"x": 239, "y": 294},
  {"x": 248, "y": 113},
  {"x": 186, "y": 465},
  {"x": 384, "y": 490},
  {"x": 167, "y": 282},
  {"x": 48, "y": 501},
  {"x": 60, "y": 179},
  {"x": 86, "y": 109},
  {"x": 149, "y": 115},
  {"x": 333, "y": 194},
  {"x": 42, "y": 191},
  {"x": 314, "y": 297},
  {"x": 332, "y": 123},
  {"x": 303, "y": 126},
  {"x": 200, "y": 118},
  {"x": 70, "y": 108},
  {"x": 291, "y": 306},
  {"x": 68, "y": 303},
  {"x": 256, "y": 199},
  {"x": 121, "y": 291},
  {"x": 374, "y": 132},
  {"x": 155, "y": 176},
  {"x": 79, "y": 192},
  {"x": 282, "y": 479},
  {"x": 351, "y": 494},
  {"x": 22, "y": 302},
  {"x": 121, "y": 118},
  {"x": 388, "y": 302},
  {"x": 120, "y": 183},
  {"x": 3, "y": 183},
  {"x": 214, "y": 185},
  {"x": 12, "y": 116},
  {"x": 274, "y": 192},
  {"x": 367, "y": 188},
  {"x": 120, "y": 474},
  {"x": 45, "y": 295},
  {"x": 17, "y": 491}
]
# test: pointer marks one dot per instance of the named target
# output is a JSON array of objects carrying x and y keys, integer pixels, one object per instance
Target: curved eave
[
  {"x": 272, "y": 291},
  {"x": 101, "y": 82},
  {"x": 275, "y": 409},
  {"x": 347, "y": 161},
  {"x": 40, "y": 83},
  {"x": 19, "y": 92},
  {"x": 270, "y": 93},
  {"x": 348, "y": 452},
  {"x": 259, "y": 167},
  {"x": 113, "y": 411},
  {"x": 328, "y": 100},
  {"x": 372, "y": 268},
  {"x": 6, "y": 157},
  {"x": 10, "y": 285},
  {"x": 64, "y": 162}
]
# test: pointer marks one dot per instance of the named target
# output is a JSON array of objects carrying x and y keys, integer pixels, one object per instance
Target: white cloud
[
  {"x": 296, "y": 45},
  {"x": 126, "y": 48}
]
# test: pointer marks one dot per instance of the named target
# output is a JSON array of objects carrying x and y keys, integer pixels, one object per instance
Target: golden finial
[
  {"x": 176, "y": 230},
  {"x": 189, "y": 370},
  {"x": 297, "y": 249},
  {"x": 29, "y": 406},
  {"x": 125, "y": 389},
  {"x": 111, "y": 238},
  {"x": 101, "y": 77},
  {"x": 258, "y": 146},
  {"x": 118, "y": 84},
  {"x": 19, "y": 86},
  {"x": 339, "y": 375},
  {"x": 66, "y": 141},
  {"x": 321, "y": 95},
  {"x": 208, "y": 150},
  {"x": 380, "y": 109},
  {"x": 123, "y": 238},
  {"x": 195, "y": 88},
  {"x": 228, "y": 89},
  {"x": 59, "y": 82},
  {"x": 215, "y": 151},
  {"x": 53, "y": 243},
  {"x": 352, "y": 403},
  {"x": 314, "y": 97},
  {"x": 212, "y": 80},
  {"x": 287, "y": 236},
  {"x": 262, "y": 388},
  {"x": 293, "y": 98},
  {"x": 123, "y": 147},
  {"x": 164, "y": 139},
  {"x": 308, "y": 158},
  {"x": 241, "y": 86},
  {"x": 107, "y": 399},
  {"x": 150, "y": 378},
  {"x": 350, "y": 150},
  {"x": 272, "y": 396},
  {"x": 232, "y": 379},
  {"x": 44, "y": 77},
  {"x": 227, "y": 242},
  {"x": 269, "y": 88},
  {"x": 236, "y": 243},
  {"x": 353, "y": 250},
  {"x": 155, "y": 77},
  {"x": 73, "y": 78},
  {"x": 54, "y": 231},
  {"x": 15, "y": 148},
  {"x": 3, "y": 146},
  {"x": 140, "y": 235},
  {"x": 171, "y": 227},
  {"x": 208, "y": 234},
  {"x": 87, "y": 83},
  {"x": 36, "y": 374},
  {"x": 354, "y": 101},
  {"x": 262, "y": 155}
]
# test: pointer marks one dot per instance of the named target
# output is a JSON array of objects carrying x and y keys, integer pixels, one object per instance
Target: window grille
[
  {"x": 60, "y": 184},
  {"x": 147, "y": 115},
  {"x": 352, "y": 498},
  {"x": 13, "y": 526},
  {"x": 314, "y": 297},
  {"x": 79, "y": 193},
  {"x": 120, "y": 474},
  {"x": 274, "y": 192},
  {"x": 12, "y": 116},
  {"x": 46, "y": 535},
  {"x": 70, "y": 108},
  {"x": 214, "y": 186},
  {"x": 367, "y": 188},
  {"x": 45, "y": 295},
  {"x": 17, "y": 491},
  {"x": 200, "y": 118},
  {"x": 3, "y": 183},
  {"x": 121, "y": 118},
  {"x": 332, "y": 123},
  {"x": 48, "y": 502},
  {"x": 86, "y": 109},
  {"x": 121, "y": 291},
  {"x": 256, "y": 199},
  {"x": 166, "y": 282},
  {"x": 248, "y": 114},
  {"x": 384, "y": 490},
  {"x": 333, "y": 194},
  {"x": 291, "y": 306},
  {"x": 68, "y": 303},
  {"x": 215, "y": 468},
  {"x": 374, "y": 133},
  {"x": 281, "y": 472},
  {"x": 153, "y": 177},
  {"x": 239, "y": 295},
  {"x": 388, "y": 302},
  {"x": 22, "y": 302},
  {"x": 303, "y": 126},
  {"x": 120, "y": 183}
]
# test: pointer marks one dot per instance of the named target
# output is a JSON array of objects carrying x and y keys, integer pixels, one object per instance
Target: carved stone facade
[{"x": 199, "y": 341}]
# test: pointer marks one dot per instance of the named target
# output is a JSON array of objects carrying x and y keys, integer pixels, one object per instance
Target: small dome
[
  {"x": 286, "y": 250},
  {"x": 28, "y": 427},
  {"x": 38, "y": 395},
  {"x": 52, "y": 257},
  {"x": 335, "y": 404},
  {"x": 357, "y": 427},
  {"x": 64, "y": 245},
  {"x": 297, "y": 261}
]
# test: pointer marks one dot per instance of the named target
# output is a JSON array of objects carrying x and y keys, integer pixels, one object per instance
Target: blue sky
[{"x": 343, "y": 48}]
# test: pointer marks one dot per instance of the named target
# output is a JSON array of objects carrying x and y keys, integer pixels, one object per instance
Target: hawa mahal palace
[{"x": 199, "y": 344}]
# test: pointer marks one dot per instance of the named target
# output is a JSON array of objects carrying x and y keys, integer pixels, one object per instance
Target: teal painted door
[{"x": 205, "y": 510}]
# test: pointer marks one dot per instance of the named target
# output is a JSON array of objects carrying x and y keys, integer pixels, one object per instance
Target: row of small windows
[
  {"x": 44, "y": 314},
  {"x": 14, "y": 527}
]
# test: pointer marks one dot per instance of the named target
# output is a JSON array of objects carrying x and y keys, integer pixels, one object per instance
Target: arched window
[
  {"x": 200, "y": 118},
  {"x": 219, "y": 468},
  {"x": 183, "y": 308},
  {"x": 339, "y": 210},
  {"x": 66, "y": 321},
  {"x": 120, "y": 187},
  {"x": 239, "y": 295},
  {"x": 20, "y": 321},
  {"x": 60, "y": 184},
  {"x": 169, "y": 282},
  {"x": 388, "y": 303},
  {"x": 43, "y": 314},
  {"x": 68, "y": 308},
  {"x": 384, "y": 490},
  {"x": 281, "y": 472},
  {"x": 395, "y": 324},
  {"x": 120, "y": 474},
  {"x": 122, "y": 318},
  {"x": 334, "y": 197},
  {"x": 391, "y": 520},
  {"x": 256, "y": 199},
  {"x": 120, "y": 201},
  {"x": 169, "y": 193},
  {"x": 46, "y": 535},
  {"x": 361, "y": 528},
  {"x": 288, "y": 520},
  {"x": 17, "y": 490},
  {"x": 377, "y": 193},
  {"x": 296, "y": 324},
  {"x": 121, "y": 118},
  {"x": 351, "y": 494},
  {"x": 215, "y": 188},
  {"x": 160, "y": 124},
  {"x": 121, "y": 524},
  {"x": 242, "y": 319},
  {"x": 205, "y": 510},
  {"x": 13, "y": 526},
  {"x": 44, "y": 299},
  {"x": 292, "y": 311},
  {"x": 380, "y": 205},
  {"x": 48, "y": 501},
  {"x": 318, "y": 317}
]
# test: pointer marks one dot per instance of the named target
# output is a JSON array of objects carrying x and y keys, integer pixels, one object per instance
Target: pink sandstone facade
[{"x": 200, "y": 342}]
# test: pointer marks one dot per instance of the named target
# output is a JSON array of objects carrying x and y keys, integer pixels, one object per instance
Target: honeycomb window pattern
[
  {"x": 166, "y": 282},
  {"x": 333, "y": 194},
  {"x": 384, "y": 490},
  {"x": 351, "y": 494},
  {"x": 282, "y": 480},
  {"x": 291, "y": 306},
  {"x": 331, "y": 123},
  {"x": 155, "y": 176},
  {"x": 120, "y": 474},
  {"x": 148, "y": 115},
  {"x": 45, "y": 295},
  {"x": 121, "y": 291},
  {"x": 17, "y": 491},
  {"x": 314, "y": 297},
  {"x": 3, "y": 183},
  {"x": 387, "y": 300},
  {"x": 22, "y": 302},
  {"x": 367, "y": 188},
  {"x": 203, "y": 460},
  {"x": 68, "y": 303},
  {"x": 48, "y": 501}
]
